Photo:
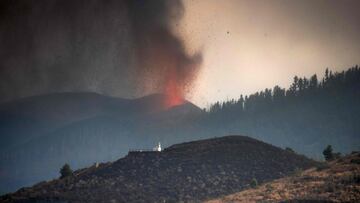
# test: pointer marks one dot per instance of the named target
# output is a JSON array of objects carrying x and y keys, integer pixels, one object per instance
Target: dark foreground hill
[{"x": 192, "y": 171}]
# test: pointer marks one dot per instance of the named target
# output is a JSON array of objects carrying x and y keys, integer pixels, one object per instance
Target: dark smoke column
[
  {"x": 123, "y": 48},
  {"x": 162, "y": 62}
]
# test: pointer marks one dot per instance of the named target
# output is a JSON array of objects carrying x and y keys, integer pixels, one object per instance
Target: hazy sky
[
  {"x": 252, "y": 45},
  {"x": 133, "y": 48}
]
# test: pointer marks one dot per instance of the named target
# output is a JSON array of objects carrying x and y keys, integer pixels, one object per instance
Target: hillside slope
[
  {"x": 31, "y": 117},
  {"x": 338, "y": 181},
  {"x": 192, "y": 171}
]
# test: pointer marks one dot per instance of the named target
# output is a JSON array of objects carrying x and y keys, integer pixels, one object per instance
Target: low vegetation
[
  {"x": 329, "y": 155},
  {"x": 253, "y": 183},
  {"x": 333, "y": 181}
]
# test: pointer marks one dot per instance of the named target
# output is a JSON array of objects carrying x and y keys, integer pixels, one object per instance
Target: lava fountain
[{"x": 173, "y": 92}]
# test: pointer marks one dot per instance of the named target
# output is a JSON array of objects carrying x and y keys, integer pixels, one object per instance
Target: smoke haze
[
  {"x": 132, "y": 48},
  {"x": 120, "y": 48}
]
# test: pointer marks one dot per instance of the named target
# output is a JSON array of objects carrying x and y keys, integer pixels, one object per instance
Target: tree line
[
  {"x": 307, "y": 116},
  {"x": 301, "y": 88}
]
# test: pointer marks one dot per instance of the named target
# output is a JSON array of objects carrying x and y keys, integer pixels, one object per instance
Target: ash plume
[
  {"x": 162, "y": 58},
  {"x": 120, "y": 48}
]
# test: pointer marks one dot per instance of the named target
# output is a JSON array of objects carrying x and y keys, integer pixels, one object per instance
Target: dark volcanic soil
[{"x": 192, "y": 171}]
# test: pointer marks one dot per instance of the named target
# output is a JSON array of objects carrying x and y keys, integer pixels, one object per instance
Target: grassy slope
[{"x": 337, "y": 181}]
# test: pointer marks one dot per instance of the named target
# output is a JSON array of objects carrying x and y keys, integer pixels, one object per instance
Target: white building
[{"x": 157, "y": 148}]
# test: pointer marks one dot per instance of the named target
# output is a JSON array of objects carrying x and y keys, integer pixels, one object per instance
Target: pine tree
[
  {"x": 65, "y": 171},
  {"x": 328, "y": 153},
  {"x": 313, "y": 82}
]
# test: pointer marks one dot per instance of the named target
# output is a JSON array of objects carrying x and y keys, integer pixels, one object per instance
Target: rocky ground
[
  {"x": 336, "y": 181},
  {"x": 188, "y": 172}
]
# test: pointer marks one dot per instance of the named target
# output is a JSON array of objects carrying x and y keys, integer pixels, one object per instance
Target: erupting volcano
[{"x": 163, "y": 64}]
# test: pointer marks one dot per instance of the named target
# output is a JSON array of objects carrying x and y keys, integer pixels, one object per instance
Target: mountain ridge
[
  {"x": 96, "y": 128},
  {"x": 53, "y": 111}
]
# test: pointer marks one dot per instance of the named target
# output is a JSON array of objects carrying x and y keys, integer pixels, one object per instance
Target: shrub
[
  {"x": 351, "y": 179},
  {"x": 253, "y": 183},
  {"x": 289, "y": 150},
  {"x": 356, "y": 178},
  {"x": 355, "y": 161},
  {"x": 65, "y": 171},
  {"x": 328, "y": 153}
]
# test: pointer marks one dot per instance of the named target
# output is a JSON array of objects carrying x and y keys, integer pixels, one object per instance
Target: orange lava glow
[{"x": 173, "y": 92}]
